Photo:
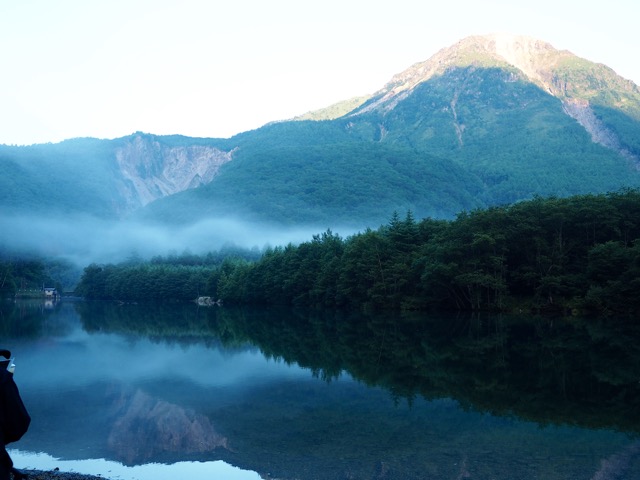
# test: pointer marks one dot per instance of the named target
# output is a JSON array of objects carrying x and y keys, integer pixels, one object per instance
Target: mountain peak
[
  {"x": 474, "y": 50},
  {"x": 534, "y": 60},
  {"x": 581, "y": 85},
  {"x": 526, "y": 54}
]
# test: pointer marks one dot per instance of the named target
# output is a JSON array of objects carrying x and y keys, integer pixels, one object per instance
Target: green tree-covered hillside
[
  {"x": 75, "y": 176},
  {"x": 554, "y": 255},
  {"x": 508, "y": 132},
  {"x": 350, "y": 183},
  {"x": 471, "y": 136},
  {"x": 488, "y": 121}
]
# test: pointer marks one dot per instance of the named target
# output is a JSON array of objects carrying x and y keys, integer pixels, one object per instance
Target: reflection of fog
[
  {"x": 133, "y": 400},
  {"x": 81, "y": 359}
]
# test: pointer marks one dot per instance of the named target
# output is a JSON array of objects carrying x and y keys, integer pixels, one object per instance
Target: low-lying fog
[{"x": 84, "y": 240}]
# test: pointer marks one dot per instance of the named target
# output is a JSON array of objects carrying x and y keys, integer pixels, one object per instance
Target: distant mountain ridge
[
  {"x": 107, "y": 178},
  {"x": 490, "y": 120}
]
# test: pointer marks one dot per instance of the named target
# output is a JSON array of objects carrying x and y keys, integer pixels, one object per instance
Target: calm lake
[{"x": 163, "y": 392}]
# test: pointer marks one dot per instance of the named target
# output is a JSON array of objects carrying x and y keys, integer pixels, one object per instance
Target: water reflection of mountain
[
  {"x": 145, "y": 428},
  {"x": 118, "y": 423},
  {"x": 547, "y": 370},
  {"x": 404, "y": 426}
]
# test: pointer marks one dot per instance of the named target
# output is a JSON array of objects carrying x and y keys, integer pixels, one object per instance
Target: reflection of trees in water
[
  {"x": 174, "y": 323},
  {"x": 33, "y": 318},
  {"x": 564, "y": 371},
  {"x": 545, "y": 370},
  {"x": 145, "y": 427}
]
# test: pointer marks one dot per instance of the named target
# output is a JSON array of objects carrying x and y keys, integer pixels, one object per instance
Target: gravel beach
[{"x": 57, "y": 475}]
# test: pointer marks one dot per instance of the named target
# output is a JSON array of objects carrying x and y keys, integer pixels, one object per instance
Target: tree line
[
  {"x": 22, "y": 273},
  {"x": 557, "y": 255},
  {"x": 173, "y": 277}
]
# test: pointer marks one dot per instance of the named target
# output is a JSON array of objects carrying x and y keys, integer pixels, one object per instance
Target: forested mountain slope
[
  {"x": 104, "y": 178},
  {"x": 311, "y": 172},
  {"x": 490, "y": 120}
]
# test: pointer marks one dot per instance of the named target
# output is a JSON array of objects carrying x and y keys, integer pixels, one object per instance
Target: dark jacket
[{"x": 14, "y": 419}]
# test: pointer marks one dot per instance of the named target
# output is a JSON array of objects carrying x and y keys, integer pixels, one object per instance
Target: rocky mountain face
[
  {"x": 150, "y": 170},
  {"x": 105, "y": 178},
  {"x": 579, "y": 84}
]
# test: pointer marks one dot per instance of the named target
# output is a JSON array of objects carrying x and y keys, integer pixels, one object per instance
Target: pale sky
[{"x": 209, "y": 68}]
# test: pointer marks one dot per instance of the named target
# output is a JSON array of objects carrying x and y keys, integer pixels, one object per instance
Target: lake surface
[{"x": 153, "y": 392}]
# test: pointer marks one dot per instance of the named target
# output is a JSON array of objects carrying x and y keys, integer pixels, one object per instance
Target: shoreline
[{"x": 57, "y": 474}]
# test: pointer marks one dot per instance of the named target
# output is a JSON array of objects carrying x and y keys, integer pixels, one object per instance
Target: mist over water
[{"x": 84, "y": 239}]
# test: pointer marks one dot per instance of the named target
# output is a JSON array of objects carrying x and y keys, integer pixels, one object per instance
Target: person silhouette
[{"x": 14, "y": 418}]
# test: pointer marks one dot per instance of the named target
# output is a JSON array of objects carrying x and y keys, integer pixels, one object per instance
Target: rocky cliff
[{"x": 151, "y": 170}]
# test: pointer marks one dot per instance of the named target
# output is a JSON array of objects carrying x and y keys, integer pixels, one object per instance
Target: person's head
[{"x": 5, "y": 357}]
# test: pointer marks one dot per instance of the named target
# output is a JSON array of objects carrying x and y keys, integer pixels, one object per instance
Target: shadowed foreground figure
[{"x": 14, "y": 418}]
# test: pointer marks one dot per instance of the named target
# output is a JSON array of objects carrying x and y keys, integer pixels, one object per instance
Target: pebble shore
[{"x": 58, "y": 475}]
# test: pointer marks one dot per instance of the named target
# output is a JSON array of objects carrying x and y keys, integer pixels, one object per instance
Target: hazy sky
[{"x": 211, "y": 68}]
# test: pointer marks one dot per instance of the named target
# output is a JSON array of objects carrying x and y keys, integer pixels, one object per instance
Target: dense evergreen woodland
[
  {"x": 557, "y": 255},
  {"x": 21, "y": 275}
]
